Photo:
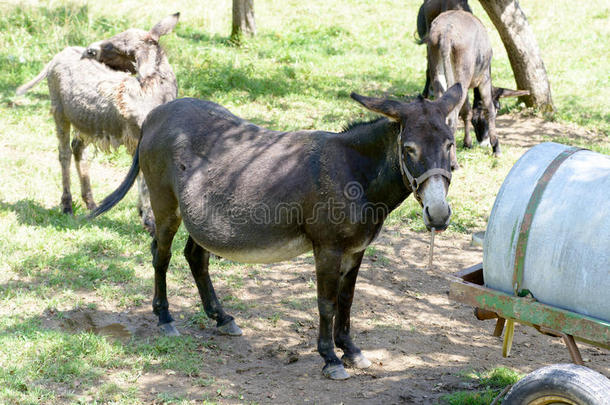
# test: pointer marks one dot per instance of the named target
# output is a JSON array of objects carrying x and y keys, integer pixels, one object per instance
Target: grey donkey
[
  {"x": 459, "y": 51},
  {"x": 105, "y": 91}
]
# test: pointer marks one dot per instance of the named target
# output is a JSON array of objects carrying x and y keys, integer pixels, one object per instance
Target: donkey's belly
[{"x": 269, "y": 253}]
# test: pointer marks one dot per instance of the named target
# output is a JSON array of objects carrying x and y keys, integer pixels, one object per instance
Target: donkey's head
[
  {"x": 135, "y": 50},
  {"x": 479, "y": 120},
  {"x": 424, "y": 145}
]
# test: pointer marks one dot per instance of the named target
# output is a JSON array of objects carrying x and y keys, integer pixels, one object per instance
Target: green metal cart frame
[{"x": 467, "y": 287}]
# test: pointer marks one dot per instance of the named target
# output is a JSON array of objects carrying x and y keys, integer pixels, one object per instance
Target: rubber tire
[{"x": 576, "y": 383}]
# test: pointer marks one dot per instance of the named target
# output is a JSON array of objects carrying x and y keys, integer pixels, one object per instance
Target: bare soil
[{"x": 420, "y": 342}]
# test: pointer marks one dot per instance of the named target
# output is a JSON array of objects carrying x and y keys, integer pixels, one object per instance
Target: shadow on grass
[
  {"x": 30, "y": 212},
  {"x": 77, "y": 351},
  {"x": 283, "y": 81}
]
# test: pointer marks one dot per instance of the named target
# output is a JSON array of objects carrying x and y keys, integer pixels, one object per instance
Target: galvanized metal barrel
[{"x": 548, "y": 234}]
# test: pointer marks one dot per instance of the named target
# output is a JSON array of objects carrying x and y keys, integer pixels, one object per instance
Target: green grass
[
  {"x": 490, "y": 383},
  {"x": 297, "y": 73}
]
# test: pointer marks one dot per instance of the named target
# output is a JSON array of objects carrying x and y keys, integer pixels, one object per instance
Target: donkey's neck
[
  {"x": 159, "y": 84},
  {"x": 374, "y": 160}
]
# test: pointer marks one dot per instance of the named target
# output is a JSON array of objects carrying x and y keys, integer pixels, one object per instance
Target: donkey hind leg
[
  {"x": 352, "y": 356},
  {"x": 328, "y": 274},
  {"x": 65, "y": 156},
  {"x": 198, "y": 259},
  {"x": 490, "y": 115},
  {"x": 82, "y": 168},
  {"x": 452, "y": 120},
  {"x": 144, "y": 207},
  {"x": 466, "y": 116},
  {"x": 161, "y": 252}
]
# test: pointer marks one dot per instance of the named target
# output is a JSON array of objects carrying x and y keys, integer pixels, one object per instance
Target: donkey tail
[
  {"x": 422, "y": 28},
  {"x": 445, "y": 51},
  {"x": 118, "y": 194},
  {"x": 43, "y": 74}
]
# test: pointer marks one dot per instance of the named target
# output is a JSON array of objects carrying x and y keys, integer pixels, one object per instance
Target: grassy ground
[{"x": 297, "y": 73}]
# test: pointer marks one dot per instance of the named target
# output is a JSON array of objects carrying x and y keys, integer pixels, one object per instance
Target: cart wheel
[{"x": 560, "y": 384}]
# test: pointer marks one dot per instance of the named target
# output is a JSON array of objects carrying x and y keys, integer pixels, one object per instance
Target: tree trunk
[
  {"x": 243, "y": 19},
  {"x": 523, "y": 52}
]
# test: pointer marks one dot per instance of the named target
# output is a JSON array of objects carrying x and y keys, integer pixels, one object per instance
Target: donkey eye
[{"x": 449, "y": 146}]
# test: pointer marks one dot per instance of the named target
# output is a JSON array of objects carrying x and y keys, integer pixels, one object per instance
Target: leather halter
[{"x": 414, "y": 183}]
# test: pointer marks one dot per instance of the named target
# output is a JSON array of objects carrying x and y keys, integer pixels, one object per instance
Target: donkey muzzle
[
  {"x": 437, "y": 216},
  {"x": 92, "y": 52},
  {"x": 436, "y": 210}
]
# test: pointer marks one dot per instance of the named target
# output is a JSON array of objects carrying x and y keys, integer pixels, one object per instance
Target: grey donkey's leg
[
  {"x": 144, "y": 207},
  {"x": 82, "y": 167},
  {"x": 65, "y": 156},
  {"x": 198, "y": 259},
  {"x": 328, "y": 268},
  {"x": 466, "y": 116},
  {"x": 452, "y": 121},
  {"x": 352, "y": 356}
]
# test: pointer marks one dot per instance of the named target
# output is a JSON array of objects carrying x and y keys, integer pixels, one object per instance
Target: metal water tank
[{"x": 548, "y": 234}]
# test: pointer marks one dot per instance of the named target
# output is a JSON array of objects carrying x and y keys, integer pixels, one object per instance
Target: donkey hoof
[
  {"x": 230, "y": 329},
  {"x": 169, "y": 329},
  {"x": 356, "y": 361},
  {"x": 485, "y": 142},
  {"x": 335, "y": 372}
]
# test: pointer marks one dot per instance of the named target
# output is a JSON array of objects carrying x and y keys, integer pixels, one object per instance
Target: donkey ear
[
  {"x": 500, "y": 92},
  {"x": 450, "y": 99},
  {"x": 389, "y": 108},
  {"x": 164, "y": 27}
]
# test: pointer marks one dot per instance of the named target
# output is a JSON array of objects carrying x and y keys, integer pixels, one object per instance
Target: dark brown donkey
[
  {"x": 254, "y": 195},
  {"x": 430, "y": 9},
  {"x": 459, "y": 51}
]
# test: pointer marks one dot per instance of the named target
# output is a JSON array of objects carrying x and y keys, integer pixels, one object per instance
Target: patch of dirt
[
  {"x": 418, "y": 340},
  {"x": 524, "y": 131}
]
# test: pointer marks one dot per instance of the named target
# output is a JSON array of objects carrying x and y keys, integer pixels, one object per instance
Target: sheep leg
[
  {"x": 65, "y": 156},
  {"x": 82, "y": 167}
]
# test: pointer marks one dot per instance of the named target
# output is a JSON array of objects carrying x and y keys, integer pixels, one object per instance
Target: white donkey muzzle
[{"x": 436, "y": 209}]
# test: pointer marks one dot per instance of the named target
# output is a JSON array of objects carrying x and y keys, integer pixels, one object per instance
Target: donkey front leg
[
  {"x": 352, "y": 356},
  {"x": 490, "y": 115},
  {"x": 198, "y": 259},
  {"x": 328, "y": 269},
  {"x": 82, "y": 168}
]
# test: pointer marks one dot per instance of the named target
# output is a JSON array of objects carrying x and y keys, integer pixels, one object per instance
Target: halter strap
[{"x": 415, "y": 182}]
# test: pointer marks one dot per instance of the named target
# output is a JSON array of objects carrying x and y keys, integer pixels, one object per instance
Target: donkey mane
[{"x": 355, "y": 124}]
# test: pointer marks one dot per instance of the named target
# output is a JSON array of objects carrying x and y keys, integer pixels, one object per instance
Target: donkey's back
[
  {"x": 242, "y": 189},
  {"x": 90, "y": 96}
]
